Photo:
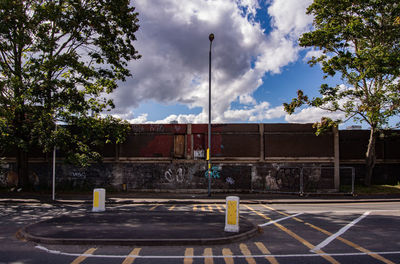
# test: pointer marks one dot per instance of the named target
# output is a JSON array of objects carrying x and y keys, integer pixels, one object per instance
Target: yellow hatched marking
[
  {"x": 265, "y": 251},
  {"x": 171, "y": 208},
  {"x": 154, "y": 207},
  {"x": 210, "y": 209},
  {"x": 227, "y": 255},
  {"x": 80, "y": 259},
  {"x": 208, "y": 254},
  {"x": 195, "y": 207},
  {"x": 132, "y": 256},
  {"x": 345, "y": 241},
  {"x": 219, "y": 208},
  {"x": 295, "y": 236},
  {"x": 188, "y": 256},
  {"x": 246, "y": 252},
  {"x": 203, "y": 208}
]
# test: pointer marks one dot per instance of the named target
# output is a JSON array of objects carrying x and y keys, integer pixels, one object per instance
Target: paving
[
  {"x": 116, "y": 227},
  {"x": 124, "y": 227}
]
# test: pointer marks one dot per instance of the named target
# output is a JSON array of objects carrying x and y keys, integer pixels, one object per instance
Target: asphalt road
[{"x": 292, "y": 233}]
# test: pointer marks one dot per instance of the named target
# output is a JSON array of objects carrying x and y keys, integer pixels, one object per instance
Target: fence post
[
  {"x": 301, "y": 182},
  {"x": 353, "y": 178},
  {"x": 336, "y": 178}
]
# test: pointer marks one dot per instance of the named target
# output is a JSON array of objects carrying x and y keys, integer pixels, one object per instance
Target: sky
[{"x": 257, "y": 64}]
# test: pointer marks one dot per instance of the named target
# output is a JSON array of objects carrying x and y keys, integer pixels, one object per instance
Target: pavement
[{"x": 127, "y": 227}]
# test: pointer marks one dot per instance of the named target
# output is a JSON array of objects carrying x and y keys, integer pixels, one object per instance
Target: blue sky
[{"x": 257, "y": 63}]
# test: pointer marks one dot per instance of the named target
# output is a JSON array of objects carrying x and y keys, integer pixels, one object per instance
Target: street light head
[{"x": 211, "y": 37}]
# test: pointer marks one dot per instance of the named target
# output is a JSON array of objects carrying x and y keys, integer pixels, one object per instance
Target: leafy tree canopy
[
  {"x": 359, "y": 39},
  {"x": 58, "y": 60}
]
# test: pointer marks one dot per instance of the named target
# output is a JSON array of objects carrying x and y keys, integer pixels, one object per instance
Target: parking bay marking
[
  {"x": 340, "y": 232},
  {"x": 345, "y": 241},
  {"x": 281, "y": 219},
  {"x": 295, "y": 236}
]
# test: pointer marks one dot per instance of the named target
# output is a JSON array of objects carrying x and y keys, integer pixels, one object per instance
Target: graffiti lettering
[
  {"x": 177, "y": 175},
  {"x": 78, "y": 174},
  {"x": 214, "y": 172},
  {"x": 230, "y": 180}
]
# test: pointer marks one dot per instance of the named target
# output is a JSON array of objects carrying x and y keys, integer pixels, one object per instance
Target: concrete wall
[{"x": 258, "y": 157}]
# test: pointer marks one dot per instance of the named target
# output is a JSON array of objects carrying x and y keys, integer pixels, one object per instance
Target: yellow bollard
[
  {"x": 232, "y": 214},
  {"x": 99, "y": 197}
]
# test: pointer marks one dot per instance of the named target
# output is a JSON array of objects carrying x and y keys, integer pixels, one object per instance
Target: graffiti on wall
[
  {"x": 175, "y": 175},
  {"x": 214, "y": 172}
]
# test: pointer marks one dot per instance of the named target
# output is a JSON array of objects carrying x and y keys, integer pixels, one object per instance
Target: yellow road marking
[
  {"x": 295, "y": 236},
  {"x": 219, "y": 208},
  {"x": 195, "y": 207},
  {"x": 227, "y": 255},
  {"x": 246, "y": 252},
  {"x": 208, "y": 254},
  {"x": 265, "y": 251},
  {"x": 188, "y": 256},
  {"x": 209, "y": 208},
  {"x": 172, "y": 207},
  {"x": 203, "y": 208},
  {"x": 347, "y": 242},
  {"x": 80, "y": 259},
  {"x": 132, "y": 256},
  {"x": 154, "y": 207}
]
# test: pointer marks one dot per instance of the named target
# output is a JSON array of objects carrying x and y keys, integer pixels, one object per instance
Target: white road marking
[
  {"x": 280, "y": 219},
  {"x": 56, "y": 252},
  {"x": 340, "y": 232}
]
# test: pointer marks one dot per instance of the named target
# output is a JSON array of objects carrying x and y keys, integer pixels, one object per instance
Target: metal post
[
  {"x": 54, "y": 172},
  {"x": 301, "y": 182},
  {"x": 211, "y": 38},
  {"x": 353, "y": 178}
]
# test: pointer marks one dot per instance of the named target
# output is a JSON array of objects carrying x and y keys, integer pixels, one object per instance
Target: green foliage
[
  {"x": 58, "y": 61},
  {"x": 361, "y": 41}
]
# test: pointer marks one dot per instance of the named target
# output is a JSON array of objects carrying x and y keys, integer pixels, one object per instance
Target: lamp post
[{"x": 211, "y": 38}]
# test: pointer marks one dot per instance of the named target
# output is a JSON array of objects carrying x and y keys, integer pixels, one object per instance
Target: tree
[
  {"x": 360, "y": 39},
  {"x": 58, "y": 61}
]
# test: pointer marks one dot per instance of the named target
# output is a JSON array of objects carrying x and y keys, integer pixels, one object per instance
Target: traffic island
[{"x": 141, "y": 228}]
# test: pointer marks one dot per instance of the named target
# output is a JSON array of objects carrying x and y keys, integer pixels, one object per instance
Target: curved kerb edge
[{"x": 23, "y": 235}]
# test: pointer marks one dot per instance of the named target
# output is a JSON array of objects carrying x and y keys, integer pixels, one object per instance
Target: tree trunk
[
  {"x": 370, "y": 157},
  {"x": 23, "y": 169}
]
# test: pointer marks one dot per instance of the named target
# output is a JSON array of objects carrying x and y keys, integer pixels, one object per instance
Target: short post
[
  {"x": 99, "y": 197},
  {"x": 232, "y": 214},
  {"x": 301, "y": 182}
]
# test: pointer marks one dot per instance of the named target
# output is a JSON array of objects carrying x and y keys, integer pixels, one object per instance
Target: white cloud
[
  {"x": 312, "y": 115},
  {"x": 173, "y": 40}
]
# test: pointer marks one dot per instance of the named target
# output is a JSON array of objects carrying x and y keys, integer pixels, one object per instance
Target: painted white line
[
  {"x": 220, "y": 256},
  {"x": 340, "y": 232},
  {"x": 280, "y": 219}
]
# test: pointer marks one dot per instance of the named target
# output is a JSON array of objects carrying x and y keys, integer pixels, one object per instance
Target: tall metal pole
[
  {"x": 211, "y": 38},
  {"x": 54, "y": 172}
]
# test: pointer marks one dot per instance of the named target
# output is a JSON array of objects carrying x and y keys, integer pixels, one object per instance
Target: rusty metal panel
[
  {"x": 235, "y": 145},
  {"x": 289, "y": 128},
  {"x": 199, "y": 146},
  {"x": 179, "y": 146},
  {"x": 392, "y": 145},
  {"x": 298, "y": 145},
  {"x": 159, "y": 128},
  {"x": 147, "y": 145},
  {"x": 353, "y": 144}
]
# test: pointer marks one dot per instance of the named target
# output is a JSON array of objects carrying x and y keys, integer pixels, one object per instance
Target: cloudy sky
[{"x": 257, "y": 64}]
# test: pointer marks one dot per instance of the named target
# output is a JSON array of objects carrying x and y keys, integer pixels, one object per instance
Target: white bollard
[
  {"x": 99, "y": 198},
  {"x": 232, "y": 214}
]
